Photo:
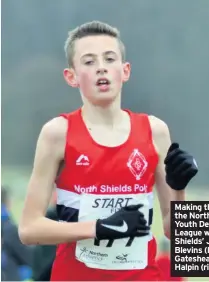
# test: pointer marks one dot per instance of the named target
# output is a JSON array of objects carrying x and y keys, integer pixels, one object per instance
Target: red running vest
[{"x": 96, "y": 169}]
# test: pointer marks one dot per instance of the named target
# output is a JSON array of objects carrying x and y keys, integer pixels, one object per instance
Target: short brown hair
[{"x": 88, "y": 29}]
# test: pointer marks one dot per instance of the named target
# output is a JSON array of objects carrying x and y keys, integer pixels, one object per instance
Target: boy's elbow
[
  {"x": 25, "y": 235},
  {"x": 167, "y": 234},
  {"x": 167, "y": 231},
  {"x": 167, "y": 225}
]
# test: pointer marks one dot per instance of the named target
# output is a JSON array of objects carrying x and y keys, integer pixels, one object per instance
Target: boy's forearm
[
  {"x": 176, "y": 196},
  {"x": 44, "y": 231}
]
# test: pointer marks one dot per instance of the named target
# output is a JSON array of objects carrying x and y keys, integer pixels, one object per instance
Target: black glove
[
  {"x": 180, "y": 167},
  {"x": 127, "y": 222}
]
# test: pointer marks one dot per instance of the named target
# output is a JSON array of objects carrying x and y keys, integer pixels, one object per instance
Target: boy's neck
[{"x": 108, "y": 115}]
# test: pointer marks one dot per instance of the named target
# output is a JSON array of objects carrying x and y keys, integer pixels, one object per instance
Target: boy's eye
[
  {"x": 90, "y": 62},
  {"x": 110, "y": 59}
]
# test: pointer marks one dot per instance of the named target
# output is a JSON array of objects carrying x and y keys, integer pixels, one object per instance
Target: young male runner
[{"x": 112, "y": 159}]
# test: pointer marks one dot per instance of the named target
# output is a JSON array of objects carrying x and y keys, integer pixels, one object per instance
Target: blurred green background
[{"x": 167, "y": 44}]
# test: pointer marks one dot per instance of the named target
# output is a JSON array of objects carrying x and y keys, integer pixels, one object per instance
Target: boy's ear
[
  {"x": 70, "y": 77},
  {"x": 126, "y": 71}
]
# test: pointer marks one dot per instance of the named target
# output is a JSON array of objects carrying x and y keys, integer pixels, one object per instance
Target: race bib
[{"x": 127, "y": 253}]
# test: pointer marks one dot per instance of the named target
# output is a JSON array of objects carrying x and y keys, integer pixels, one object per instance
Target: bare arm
[
  {"x": 162, "y": 142},
  {"x": 34, "y": 227}
]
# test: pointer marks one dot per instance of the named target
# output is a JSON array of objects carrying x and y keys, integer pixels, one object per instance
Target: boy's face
[{"x": 98, "y": 71}]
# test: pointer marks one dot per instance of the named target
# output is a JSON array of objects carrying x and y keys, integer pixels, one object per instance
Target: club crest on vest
[{"x": 137, "y": 164}]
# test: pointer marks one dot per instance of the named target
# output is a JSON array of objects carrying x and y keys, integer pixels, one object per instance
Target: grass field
[{"x": 18, "y": 179}]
